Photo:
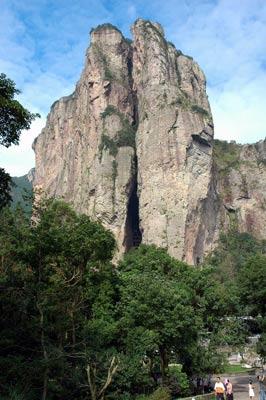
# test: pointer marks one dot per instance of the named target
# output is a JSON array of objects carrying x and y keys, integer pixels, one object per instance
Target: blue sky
[{"x": 43, "y": 43}]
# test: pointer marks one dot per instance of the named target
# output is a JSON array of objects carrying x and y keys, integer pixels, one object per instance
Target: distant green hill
[{"x": 21, "y": 192}]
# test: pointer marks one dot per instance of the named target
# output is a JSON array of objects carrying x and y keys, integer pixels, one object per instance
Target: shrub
[
  {"x": 110, "y": 110},
  {"x": 226, "y": 155},
  {"x": 104, "y": 26},
  {"x": 161, "y": 393},
  {"x": 178, "y": 381},
  {"x": 199, "y": 110},
  {"x": 108, "y": 143},
  {"x": 125, "y": 136}
]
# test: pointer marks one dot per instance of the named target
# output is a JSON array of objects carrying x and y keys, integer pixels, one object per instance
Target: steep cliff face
[
  {"x": 240, "y": 173},
  {"x": 85, "y": 154},
  {"x": 132, "y": 146},
  {"x": 173, "y": 143}
]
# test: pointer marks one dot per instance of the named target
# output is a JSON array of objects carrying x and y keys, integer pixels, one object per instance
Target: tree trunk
[
  {"x": 45, "y": 355},
  {"x": 163, "y": 363},
  {"x": 91, "y": 374}
]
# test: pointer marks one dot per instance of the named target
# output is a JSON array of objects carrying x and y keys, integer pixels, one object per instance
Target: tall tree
[
  {"x": 48, "y": 300},
  {"x": 5, "y": 188},
  {"x": 13, "y": 119},
  {"x": 158, "y": 319}
]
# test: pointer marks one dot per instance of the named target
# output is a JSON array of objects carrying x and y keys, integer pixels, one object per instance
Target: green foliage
[
  {"x": 252, "y": 282},
  {"x": 185, "y": 103},
  {"x": 199, "y": 110},
  {"x": 103, "y": 60},
  {"x": 226, "y": 155},
  {"x": 239, "y": 266},
  {"x": 13, "y": 119},
  {"x": 13, "y": 116},
  {"x": 172, "y": 44},
  {"x": 234, "y": 369},
  {"x": 110, "y": 110},
  {"x": 65, "y": 308},
  {"x": 58, "y": 288},
  {"x": 104, "y": 26},
  {"x": 232, "y": 252},
  {"x": 114, "y": 170},
  {"x": 21, "y": 193},
  {"x": 167, "y": 307},
  {"x": 160, "y": 394},
  {"x": 5, "y": 188},
  {"x": 108, "y": 144},
  {"x": 124, "y": 137},
  {"x": 178, "y": 381}
]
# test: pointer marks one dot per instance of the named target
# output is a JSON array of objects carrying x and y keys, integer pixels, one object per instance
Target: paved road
[{"x": 240, "y": 386}]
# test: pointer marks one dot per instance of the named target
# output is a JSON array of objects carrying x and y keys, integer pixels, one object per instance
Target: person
[
  {"x": 225, "y": 383},
  {"x": 229, "y": 390},
  {"x": 261, "y": 381},
  {"x": 219, "y": 389},
  {"x": 251, "y": 390}
]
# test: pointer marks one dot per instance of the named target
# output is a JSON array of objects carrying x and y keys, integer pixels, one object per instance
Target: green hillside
[{"x": 21, "y": 192}]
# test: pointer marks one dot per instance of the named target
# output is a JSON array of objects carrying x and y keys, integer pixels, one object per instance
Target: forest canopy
[{"x": 73, "y": 325}]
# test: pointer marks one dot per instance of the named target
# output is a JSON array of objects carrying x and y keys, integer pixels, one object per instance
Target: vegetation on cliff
[
  {"x": 124, "y": 137},
  {"x": 226, "y": 155}
]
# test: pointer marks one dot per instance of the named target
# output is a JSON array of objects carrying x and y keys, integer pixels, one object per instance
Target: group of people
[{"x": 225, "y": 389}]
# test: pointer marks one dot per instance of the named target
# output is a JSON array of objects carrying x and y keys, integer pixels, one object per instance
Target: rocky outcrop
[
  {"x": 240, "y": 173},
  {"x": 174, "y": 143},
  {"x": 85, "y": 154},
  {"x": 132, "y": 146}
]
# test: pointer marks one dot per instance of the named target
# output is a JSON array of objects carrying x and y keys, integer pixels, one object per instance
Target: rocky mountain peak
[{"x": 133, "y": 145}]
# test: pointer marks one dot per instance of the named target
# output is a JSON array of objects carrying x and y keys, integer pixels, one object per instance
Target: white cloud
[
  {"x": 228, "y": 40},
  {"x": 43, "y": 51},
  {"x": 18, "y": 160}
]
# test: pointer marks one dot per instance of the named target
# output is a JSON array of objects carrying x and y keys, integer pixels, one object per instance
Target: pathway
[{"x": 240, "y": 386}]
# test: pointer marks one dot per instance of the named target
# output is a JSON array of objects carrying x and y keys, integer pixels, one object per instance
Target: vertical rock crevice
[{"x": 133, "y": 235}]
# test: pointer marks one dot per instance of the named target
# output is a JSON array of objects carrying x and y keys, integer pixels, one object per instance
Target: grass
[{"x": 234, "y": 369}]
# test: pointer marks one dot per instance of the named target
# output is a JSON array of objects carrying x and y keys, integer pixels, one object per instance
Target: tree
[
  {"x": 13, "y": 119},
  {"x": 232, "y": 252},
  {"x": 13, "y": 116},
  {"x": 157, "y": 319},
  {"x": 49, "y": 300},
  {"x": 252, "y": 285},
  {"x": 5, "y": 188}
]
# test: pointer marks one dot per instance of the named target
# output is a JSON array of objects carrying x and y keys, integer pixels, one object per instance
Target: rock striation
[{"x": 133, "y": 148}]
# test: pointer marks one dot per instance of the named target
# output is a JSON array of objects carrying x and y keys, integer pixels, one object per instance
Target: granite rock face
[
  {"x": 132, "y": 147},
  {"x": 173, "y": 143},
  {"x": 240, "y": 173},
  {"x": 84, "y": 154}
]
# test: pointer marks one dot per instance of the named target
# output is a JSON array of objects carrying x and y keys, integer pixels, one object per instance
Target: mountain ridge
[{"x": 133, "y": 148}]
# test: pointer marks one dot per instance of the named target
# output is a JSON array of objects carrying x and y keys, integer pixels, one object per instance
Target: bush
[
  {"x": 178, "y": 381},
  {"x": 124, "y": 137},
  {"x": 108, "y": 143},
  {"x": 199, "y": 110},
  {"x": 161, "y": 393}
]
